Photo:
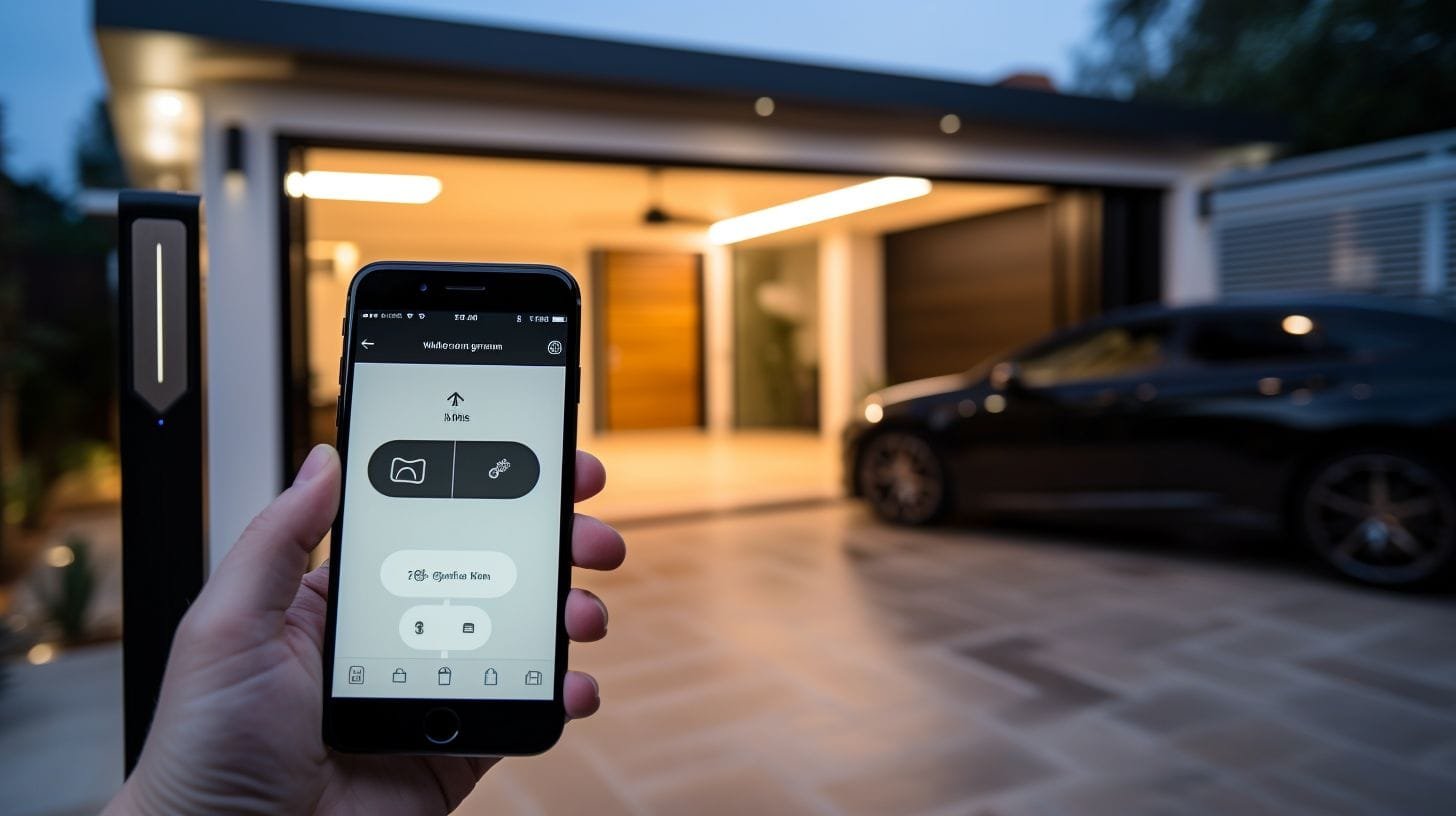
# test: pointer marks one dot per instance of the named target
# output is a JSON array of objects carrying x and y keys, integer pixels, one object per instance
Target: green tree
[{"x": 1341, "y": 72}]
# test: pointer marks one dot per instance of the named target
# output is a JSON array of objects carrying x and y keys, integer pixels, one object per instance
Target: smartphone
[{"x": 451, "y": 551}]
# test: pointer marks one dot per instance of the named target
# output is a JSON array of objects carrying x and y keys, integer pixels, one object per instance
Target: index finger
[{"x": 591, "y": 476}]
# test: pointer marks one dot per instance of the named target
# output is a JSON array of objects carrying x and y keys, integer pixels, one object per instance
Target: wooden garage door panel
[
  {"x": 652, "y": 340},
  {"x": 957, "y": 293}
]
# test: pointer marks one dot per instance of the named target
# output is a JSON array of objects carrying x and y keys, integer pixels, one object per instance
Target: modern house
[{"x": 1014, "y": 210}]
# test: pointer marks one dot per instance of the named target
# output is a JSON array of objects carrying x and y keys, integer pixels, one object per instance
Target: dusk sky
[{"x": 49, "y": 69}]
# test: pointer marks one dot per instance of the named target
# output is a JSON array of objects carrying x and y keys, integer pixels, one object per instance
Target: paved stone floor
[
  {"x": 810, "y": 661},
  {"x": 813, "y": 662}
]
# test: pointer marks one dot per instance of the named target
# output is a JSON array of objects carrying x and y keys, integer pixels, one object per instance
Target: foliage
[
  {"x": 56, "y": 336},
  {"x": 68, "y": 603},
  {"x": 98, "y": 159},
  {"x": 1342, "y": 72}
]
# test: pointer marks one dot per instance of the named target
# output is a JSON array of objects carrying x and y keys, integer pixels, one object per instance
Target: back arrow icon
[{"x": 367, "y": 343}]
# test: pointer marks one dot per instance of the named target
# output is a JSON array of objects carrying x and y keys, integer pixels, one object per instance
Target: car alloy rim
[
  {"x": 1380, "y": 517},
  {"x": 902, "y": 477}
]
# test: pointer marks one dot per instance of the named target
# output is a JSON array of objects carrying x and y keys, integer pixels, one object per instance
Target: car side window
[
  {"x": 1101, "y": 354},
  {"x": 1262, "y": 338}
]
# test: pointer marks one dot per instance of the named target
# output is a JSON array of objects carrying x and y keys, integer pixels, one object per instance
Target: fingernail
[{"x": 313, "y": 465}]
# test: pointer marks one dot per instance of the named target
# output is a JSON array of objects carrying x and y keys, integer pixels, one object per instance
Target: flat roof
[{"x": 394, "y": 41}]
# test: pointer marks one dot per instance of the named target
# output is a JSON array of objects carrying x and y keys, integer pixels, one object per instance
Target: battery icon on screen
[{"x": 558, "y": 318}]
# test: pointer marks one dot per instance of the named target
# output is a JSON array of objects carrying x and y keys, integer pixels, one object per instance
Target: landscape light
[
  {"x": 385, "y": 188},
  {"x": 1297, "y": 324},
  {"x": 41, "y": 654},
  {"x": 822, "y": 207}
]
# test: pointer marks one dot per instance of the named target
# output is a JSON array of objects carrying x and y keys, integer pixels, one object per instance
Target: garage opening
[{"x": 688, "y": 342}]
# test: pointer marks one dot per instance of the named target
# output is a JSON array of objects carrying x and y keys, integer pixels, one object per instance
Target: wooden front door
[{"x": 650, "y": 335}]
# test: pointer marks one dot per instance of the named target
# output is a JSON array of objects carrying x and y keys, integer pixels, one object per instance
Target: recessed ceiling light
[
  {"x": 822, "y": 207},
  {"x": 387, "y": 188}
]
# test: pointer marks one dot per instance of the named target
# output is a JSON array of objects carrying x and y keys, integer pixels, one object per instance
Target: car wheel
[
  {"x": 1380, "y": 517},
  {"x": 903, "y": 478}
]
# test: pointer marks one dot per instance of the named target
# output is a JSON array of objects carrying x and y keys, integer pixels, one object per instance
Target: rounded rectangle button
[
  {"x": 494, "y": 470},
  {"x": 413, "y": 468},
  {"x": 437, "y": 469},
  {"x": 438, "y": 628},
  {"x": 448, "y": 573}
]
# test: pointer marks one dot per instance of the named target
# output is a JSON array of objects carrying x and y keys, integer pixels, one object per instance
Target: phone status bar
[{"x": 462, "y": 317}]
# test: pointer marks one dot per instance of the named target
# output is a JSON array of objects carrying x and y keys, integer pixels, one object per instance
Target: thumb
[{"x": 261, "y": 572}]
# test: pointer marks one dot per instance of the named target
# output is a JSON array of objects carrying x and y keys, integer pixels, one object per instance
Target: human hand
[{"x": 238, "y": 724}]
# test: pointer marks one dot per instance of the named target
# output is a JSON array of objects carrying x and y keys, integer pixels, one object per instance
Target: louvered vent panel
[{"x": 1375, "y": 249}]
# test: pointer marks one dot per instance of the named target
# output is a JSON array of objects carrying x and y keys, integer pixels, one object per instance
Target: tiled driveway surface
[{"x": 811, "y": 661}]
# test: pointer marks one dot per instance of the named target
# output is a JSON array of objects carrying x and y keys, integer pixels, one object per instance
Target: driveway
[
  {"x": 813, "y": 661},
  {"x": 810, "y": 661}
]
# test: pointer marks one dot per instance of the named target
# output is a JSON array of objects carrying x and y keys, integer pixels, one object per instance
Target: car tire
[
  {"x": 1379, "y": 516},
  {"x": 903, "y": 478}
]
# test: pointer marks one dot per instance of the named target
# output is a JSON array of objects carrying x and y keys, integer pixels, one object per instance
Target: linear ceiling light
[
  {"x": 387, "y": 188},
  {"x": 822, "y": 207}
]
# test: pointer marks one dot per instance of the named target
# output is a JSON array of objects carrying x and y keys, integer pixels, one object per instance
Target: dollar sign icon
[{"x": 419, "y": 627}]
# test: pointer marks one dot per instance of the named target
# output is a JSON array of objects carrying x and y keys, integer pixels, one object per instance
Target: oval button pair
[{"x": 436, "y": 469}]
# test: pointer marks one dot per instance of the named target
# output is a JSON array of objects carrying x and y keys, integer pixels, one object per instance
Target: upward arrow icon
[{"x": 455, "y": 398}]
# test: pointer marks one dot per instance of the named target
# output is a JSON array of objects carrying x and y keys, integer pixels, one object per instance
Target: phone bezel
[{"x": 487, "y": 727}]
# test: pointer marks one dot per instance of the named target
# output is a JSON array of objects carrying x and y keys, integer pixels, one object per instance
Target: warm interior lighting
[
  {"x": 950, "y": 123},
  {"x": 346, "y": 259},
  {"x": 1297, "y": 324},
  {"x": 874, "y": 412},
  {"x": 387, "y": 188},
  {"x": 166, "y": 105},
  {"x": 162, "y": 146},
  {"x": 822, "y": 207},
  {"x": 40, "y": 654},
  {"x": 995, "y": 404},
  {"x": 60, "y": 556},
  {"x": 763, "y": 106}
]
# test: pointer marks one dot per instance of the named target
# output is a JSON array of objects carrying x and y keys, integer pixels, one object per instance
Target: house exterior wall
[{"x": 242, "y": 223}]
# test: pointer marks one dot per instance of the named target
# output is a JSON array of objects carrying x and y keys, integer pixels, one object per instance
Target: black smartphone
[{"x": 451, "y": 550}]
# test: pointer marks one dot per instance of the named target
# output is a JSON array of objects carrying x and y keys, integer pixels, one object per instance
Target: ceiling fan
[{"x": 656, "y": 214}]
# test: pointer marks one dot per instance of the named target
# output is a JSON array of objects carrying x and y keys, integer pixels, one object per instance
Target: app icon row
[{"x": 445, "y": 676}]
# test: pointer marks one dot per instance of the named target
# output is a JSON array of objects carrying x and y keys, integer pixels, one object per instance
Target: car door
[
  {"x": 1223, "y": 428},
  {"x": 1050, "y": 428}
]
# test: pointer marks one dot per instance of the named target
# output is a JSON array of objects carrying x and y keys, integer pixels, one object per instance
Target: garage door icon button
[{"x": 406, "y": 471}]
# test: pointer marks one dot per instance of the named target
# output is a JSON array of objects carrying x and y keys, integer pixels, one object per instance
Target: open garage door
[{"x": 960, "y": 291}]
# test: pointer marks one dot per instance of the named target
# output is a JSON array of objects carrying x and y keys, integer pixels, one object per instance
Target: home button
[{"x": 441, "y": 725}]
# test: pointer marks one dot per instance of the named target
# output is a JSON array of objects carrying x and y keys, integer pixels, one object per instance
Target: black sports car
[{"x": 1333, "y": 417}]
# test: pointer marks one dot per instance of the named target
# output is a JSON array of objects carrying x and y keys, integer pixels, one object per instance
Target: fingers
[
  {"x": 262, "y": 570},
  {"x": 583, "y": 698},
  {"x": 586, "y": 616},
  {"x": 595, "y": 545},
  {"x": 591, "y": 477}
]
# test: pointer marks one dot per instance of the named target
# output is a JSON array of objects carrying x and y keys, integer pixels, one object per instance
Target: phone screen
[{"x": 449, "y": 547}]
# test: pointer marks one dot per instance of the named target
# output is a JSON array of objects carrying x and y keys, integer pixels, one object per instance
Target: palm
[{"x": 260, "y": 681}]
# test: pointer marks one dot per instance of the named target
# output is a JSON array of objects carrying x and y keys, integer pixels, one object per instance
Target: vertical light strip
[{"x": 159, "y": 312}]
